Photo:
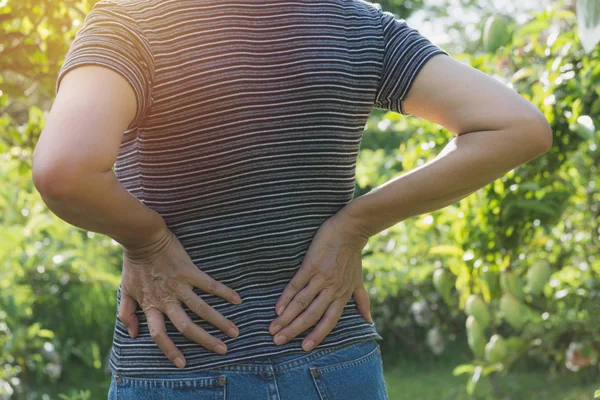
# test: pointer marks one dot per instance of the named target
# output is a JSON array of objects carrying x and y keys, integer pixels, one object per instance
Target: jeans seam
[
  {"x": 171, "y": 383},
  {"x": 322, "y": 394},
  {"x": 288, "y": 365},
  {"x": 345, "y": 364}
]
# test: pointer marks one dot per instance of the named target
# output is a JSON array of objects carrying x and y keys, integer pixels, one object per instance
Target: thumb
[
  {"x": 363, "y": 302},
  {"x": 127, "y": 315}
]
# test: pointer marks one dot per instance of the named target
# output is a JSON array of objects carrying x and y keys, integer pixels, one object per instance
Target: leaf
[
  {"x": 46, "y": 333},
  {"x": 474, "y": 379},
  {"x": 584, "y": 127},
  {"x": 492, "y": 368},
  {"x": 597, "y": 394},
  {"x": 463, "y": 369},
  {"x": 536, "y": 205},
  {"x": 446, "y": 249},
  {"x": 534, "y": 26},
  {"x": 522, "y": 74}
]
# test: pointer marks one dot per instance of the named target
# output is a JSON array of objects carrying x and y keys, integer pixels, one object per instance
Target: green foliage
[
  {"x": 58, "y": 283},
  {"x": 57, "y": 287},
  {"x": 544, "y": 211}
]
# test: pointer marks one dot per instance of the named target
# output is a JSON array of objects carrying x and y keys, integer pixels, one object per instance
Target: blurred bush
[{"x": 526, "y": 246}]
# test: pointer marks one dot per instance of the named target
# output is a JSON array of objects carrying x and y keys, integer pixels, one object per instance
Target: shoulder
[
  {"x": 132, "y": 8},
  {"x": 373, "y": 9}
]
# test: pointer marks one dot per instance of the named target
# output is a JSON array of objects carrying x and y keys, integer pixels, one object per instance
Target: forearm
[
  {"x": 469, "y": 162},
  {"x": 98, "y": 202}
]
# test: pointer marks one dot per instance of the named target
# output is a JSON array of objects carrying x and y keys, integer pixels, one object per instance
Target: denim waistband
[
  {"x": 282, "y": 363},
  {"x": 265, "y": 366}
]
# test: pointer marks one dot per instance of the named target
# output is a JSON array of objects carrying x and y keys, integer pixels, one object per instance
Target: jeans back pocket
[
  {"x": 352, "y": 373},
  {"x": 168, "y": 388}
]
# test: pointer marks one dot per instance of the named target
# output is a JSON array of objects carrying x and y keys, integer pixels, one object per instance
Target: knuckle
[
  {"x": 329, "y": 320},
  {"x": 185, "y": 296},
  {"x": 212, "y": 286},
  {"x": 183, "y": 326},
  {"x": 302, "y": 303},
  {"x": 312, "y": 317},
  {"x": 320, "y": 280},
  {"x": 156, "y": 334},
  {"x": 330, "y": 293},
  {"x": 336, "y": 283},
  {"x": 200, "y": 308},
  {"x": 294, "y": 287}
]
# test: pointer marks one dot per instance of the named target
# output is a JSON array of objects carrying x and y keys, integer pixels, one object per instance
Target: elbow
[
  {"x": 544, "y": 136},
  {"x": 54, "y": 180},
  {"x": 538, "y": 136}
]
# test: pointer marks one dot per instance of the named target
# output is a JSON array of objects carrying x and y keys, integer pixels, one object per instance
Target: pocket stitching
[
  {"x": 322, "y": 394},
  {"x": 211, "y": 382},
  {"x": 346, "y": 364}
]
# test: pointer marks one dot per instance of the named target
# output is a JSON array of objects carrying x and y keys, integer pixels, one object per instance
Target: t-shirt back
[{"x": 249, "y": 119}]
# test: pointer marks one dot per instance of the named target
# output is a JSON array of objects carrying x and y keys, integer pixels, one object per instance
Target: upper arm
[
  {"x": 421, "y": 79},
  {"x": 84, "y": 128},
  {"x": 463, "y": 99},
  {"x": 102, "y": 90}
]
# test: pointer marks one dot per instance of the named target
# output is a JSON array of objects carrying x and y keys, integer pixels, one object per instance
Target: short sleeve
[
  {"x": 406, "y": 50},
  {"x": 111, "y": 38}
]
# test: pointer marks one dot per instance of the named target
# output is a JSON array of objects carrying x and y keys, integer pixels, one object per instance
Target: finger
[
  {"x": 363, "y": 303},
  {"x": 203, "y": 281},
  {"x": 305, "y": 320},
  {"x": 206, "y": 312},
  {"x": 325, "y": 325},
  {"x": 299, "y": 303},
  {"x": 127, "y": 315},
  {"x": 298, "y": 282},
  {"x": 185, "y": 325},
  {"x": 156, "y": 325}
]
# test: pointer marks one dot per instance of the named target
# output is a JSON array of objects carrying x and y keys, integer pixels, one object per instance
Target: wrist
[
  {"x": 354, "y": 224},
  {"x": 149, "y": 241}
]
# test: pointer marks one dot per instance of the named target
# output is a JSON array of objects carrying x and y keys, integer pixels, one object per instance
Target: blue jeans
[{"x": 350, "y": 372}]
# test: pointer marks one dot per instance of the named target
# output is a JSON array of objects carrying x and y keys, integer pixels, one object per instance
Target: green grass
[{"x": 433, "y": 380}]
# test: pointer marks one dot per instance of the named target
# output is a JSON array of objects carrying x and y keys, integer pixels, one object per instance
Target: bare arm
[
  {"x": 496, "y": 130},
  {"x": 72, "y": 171},
  {"x": 73, "y": 158}
]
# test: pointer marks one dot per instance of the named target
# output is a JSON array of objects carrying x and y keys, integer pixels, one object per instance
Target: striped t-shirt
[{"x": 249, "y": 119}]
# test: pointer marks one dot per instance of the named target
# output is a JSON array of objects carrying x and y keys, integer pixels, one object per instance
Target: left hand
[{"x": 330, "y": 274}]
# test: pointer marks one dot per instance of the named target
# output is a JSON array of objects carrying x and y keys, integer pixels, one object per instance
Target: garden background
[{"x": 516, "y": 264}]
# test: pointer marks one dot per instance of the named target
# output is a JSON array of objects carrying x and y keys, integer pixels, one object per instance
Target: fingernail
[
  {"x": 129, "y": 331},
  {"x": 279, "y": 311},
  {"x": 275, "y": 329},
  {"x": 233, "y": 332},
  {"x": 280, "y": 339},
  {"x": 237, "y": 298},
  {"x": 221, "y": 349},
  {"x": 180, "y": 362},
  {"x": 308, "y": 345}
]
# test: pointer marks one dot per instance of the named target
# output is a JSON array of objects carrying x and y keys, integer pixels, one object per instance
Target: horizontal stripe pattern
[{"x": 249, "y": 121}]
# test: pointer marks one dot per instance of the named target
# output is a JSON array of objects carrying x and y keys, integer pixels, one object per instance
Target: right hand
[{"x": 159, "y": 277}]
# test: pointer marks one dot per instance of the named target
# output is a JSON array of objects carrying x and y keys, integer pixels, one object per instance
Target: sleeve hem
[
  {"x": 414, "y": 76},
  {"x": 139, "y": 100}
]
